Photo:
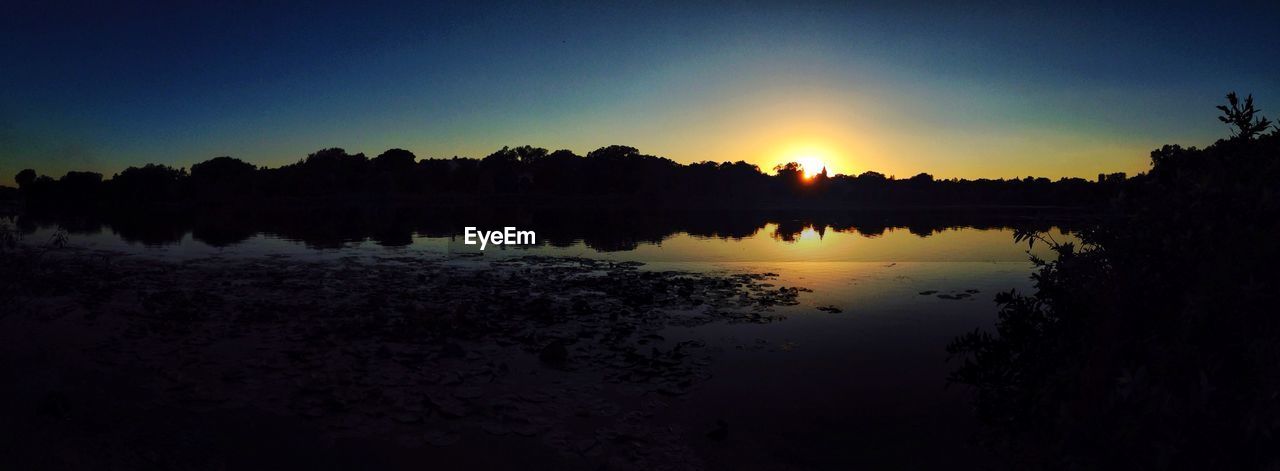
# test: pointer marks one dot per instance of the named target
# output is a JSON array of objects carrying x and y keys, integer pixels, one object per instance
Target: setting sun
[
  {"x": 813, "y": 159},
  {"x": 812, "y": 166}
]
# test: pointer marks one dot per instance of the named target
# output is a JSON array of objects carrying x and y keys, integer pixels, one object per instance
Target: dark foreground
[{"x": 135, "y": 363}]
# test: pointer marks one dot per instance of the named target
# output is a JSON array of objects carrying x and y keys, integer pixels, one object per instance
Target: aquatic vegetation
[
  {"x": 22, "y": 265},
  {"x": 520, "y": 347}
]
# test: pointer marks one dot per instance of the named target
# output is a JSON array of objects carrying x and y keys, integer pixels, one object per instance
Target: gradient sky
[{"x": 958, "y": 91}]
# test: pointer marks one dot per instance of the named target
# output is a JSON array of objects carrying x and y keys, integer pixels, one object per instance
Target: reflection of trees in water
[{"x": 600, "y": 230}]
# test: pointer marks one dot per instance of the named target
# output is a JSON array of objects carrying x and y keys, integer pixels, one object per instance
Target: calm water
[{"x": 862, "y": 386}]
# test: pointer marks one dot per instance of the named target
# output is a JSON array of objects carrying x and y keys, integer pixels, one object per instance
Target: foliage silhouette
[
  {"x": 1242, "y": 117},
  {"x": 606, "y": 177},
  {"x": 25, "y": 178},
  {"x": 1154, "y": 343}
]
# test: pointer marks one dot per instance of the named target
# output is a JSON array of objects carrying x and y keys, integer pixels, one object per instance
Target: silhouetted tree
[
  {"x": 222, "y": 178},
  {"x": 789, "y": 172},
  {"x": 150, "y": 183},
  {"x": 614, "y": 152},
  {"x": 398, "y": 160},
  {"x": 921, "y": 178},
  {"x": 1151, "y": 343},
  {"x": 76, "y": 187},
  {"x": 221, "y": 169},
  {"x": 529, "y": 154},
  {"x": 1243, "y": 117},
  {"x": 872, "y": 176},
  {"x": 24, "y": 178}
]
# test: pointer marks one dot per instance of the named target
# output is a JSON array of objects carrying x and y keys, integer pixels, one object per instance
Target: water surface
[{"x": 861, "y": 386}]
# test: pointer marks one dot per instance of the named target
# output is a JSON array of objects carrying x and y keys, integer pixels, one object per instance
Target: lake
[{"x": 854, "y": 374}]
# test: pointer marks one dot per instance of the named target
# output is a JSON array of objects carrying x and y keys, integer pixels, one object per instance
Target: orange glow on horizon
[
  {"x": 813, "y": 159},
  {"x": 812, "y": 166}
]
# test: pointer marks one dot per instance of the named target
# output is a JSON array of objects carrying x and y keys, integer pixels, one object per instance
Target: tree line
[{"x": 532, "y": 173}]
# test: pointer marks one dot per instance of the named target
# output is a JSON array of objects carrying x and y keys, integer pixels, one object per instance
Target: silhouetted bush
[{"x": 1155, "y": 343}]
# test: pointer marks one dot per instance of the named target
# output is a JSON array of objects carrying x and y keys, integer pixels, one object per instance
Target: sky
[{"x": 970, "y": 91}]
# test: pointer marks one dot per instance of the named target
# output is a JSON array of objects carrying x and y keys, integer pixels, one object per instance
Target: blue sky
[{"x": 993, "y": 90}]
